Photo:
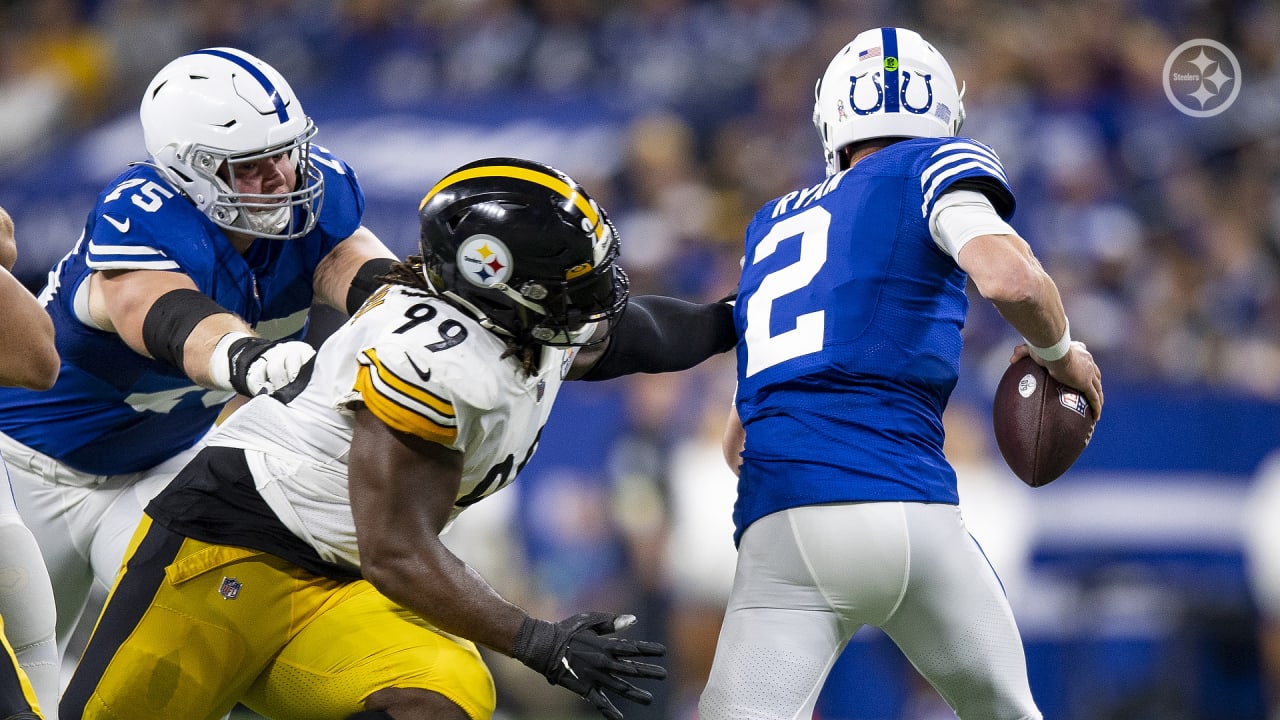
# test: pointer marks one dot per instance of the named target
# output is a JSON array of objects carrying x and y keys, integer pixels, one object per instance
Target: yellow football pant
[
  {"x": 192, "y": 628},
  {"x": 16, "y": 695}
]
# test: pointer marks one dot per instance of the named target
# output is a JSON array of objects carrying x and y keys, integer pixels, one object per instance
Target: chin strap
[{"x": 477, "y": 313}]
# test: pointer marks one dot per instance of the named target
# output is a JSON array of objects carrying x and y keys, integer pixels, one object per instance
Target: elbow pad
[{"x": 659, "y": 334}]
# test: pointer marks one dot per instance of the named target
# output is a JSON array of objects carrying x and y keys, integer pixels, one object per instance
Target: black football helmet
[{"x": 525, "y": 249}]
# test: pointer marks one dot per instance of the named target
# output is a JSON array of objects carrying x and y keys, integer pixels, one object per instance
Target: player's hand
[
  {"x": 261, "y": 366},
  {"x": 580, "y": 653},
  {"x": 1076, "y": 369}
]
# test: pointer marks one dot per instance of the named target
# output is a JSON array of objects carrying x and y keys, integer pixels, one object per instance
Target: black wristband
[
  {"x": 241, "y": 355},
  {"x": 535, "y": 644},
  {"x": 366, "y": 281},
  {"x": 171, "y": 319},
  {"x": 661, "y": 334}
]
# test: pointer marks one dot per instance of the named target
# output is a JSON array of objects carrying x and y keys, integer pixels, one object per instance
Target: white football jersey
[{"x": 423, "y": 367}]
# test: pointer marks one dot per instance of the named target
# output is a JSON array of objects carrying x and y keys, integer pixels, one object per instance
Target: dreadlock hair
[{"x": 411, "y": 272}]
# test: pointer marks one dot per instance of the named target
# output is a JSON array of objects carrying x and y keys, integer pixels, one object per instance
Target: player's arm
[
  {"x": 161, "y": 315},
  {"x": 28, "y": 357},
  {"x": 402, "y": 491},
  {"x": 1006, "y": 272},
  {"x": 8, "y": 241},
  {"x": 348, "y": 274},
  {"x": 657, "y": 334}
]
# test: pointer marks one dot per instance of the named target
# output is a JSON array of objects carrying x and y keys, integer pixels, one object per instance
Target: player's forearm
[
  {"x": 8, "y": 242},
  {"x": 1038, "y": 315},
  {"x": 28, "y": 357},
  {"x": 449, "y": 594},
  {"x": 1007, "y": 273},
  {"x": 198, "y": 350}
]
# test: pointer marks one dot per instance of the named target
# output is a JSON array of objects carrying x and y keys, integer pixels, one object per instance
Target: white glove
[{"x": 253, "y": 366}]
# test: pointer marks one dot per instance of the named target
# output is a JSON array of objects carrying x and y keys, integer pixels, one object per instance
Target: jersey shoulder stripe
[
  {"x": 403, "y": 405},
  {"x": 138, "y": 257},
  {"x": 952, "y": 161}
]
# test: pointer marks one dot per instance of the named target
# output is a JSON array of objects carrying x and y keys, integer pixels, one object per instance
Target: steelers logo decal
[{"x": 484, "y": 260}]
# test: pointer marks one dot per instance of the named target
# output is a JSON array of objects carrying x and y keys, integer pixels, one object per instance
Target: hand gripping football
[{"x": 1041, "y": 425}]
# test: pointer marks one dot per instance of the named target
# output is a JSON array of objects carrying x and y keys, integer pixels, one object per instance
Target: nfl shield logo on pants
[{"x": 230, "y": 588}]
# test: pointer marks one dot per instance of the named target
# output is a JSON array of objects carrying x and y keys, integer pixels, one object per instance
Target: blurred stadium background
[{"x": 1141, "y": 579}]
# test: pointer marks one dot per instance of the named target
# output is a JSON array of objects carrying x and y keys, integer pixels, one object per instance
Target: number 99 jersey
[
  {"x": 423, "y": 367},
  {"x": 850, "y": 317}
]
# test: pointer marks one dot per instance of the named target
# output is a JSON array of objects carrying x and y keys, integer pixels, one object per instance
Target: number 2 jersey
[
  {"x": 850, "y": 318},
  {"x": 421, "y": 366},
  {"x": 115, "y": 411}
]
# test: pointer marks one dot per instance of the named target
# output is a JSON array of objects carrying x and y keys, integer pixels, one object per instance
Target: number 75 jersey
[{"x": 850, "y": 317}]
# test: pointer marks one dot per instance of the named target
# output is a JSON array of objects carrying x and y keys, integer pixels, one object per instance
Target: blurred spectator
[{"x": 56, "y": 75}]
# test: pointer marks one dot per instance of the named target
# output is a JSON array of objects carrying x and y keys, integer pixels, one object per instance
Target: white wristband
[
  {"x": 1056, "y": 351},
  {"x": 220, "y": 361}
]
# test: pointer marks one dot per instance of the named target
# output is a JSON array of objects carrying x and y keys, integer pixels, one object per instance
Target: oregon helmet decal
[{"x": 525, "y": 249}]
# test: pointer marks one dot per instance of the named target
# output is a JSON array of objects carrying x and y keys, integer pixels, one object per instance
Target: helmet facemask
[
  {"x": 277, "y": 216},
  {"x": 571, "y": 311}
]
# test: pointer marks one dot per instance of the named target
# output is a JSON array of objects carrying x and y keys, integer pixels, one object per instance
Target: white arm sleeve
[{"x": 962, "y": 215}]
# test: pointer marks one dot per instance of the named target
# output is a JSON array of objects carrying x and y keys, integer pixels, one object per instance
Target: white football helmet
[
  {"x": 210, "y": 109},
  {"x": 887, "y": 82}
]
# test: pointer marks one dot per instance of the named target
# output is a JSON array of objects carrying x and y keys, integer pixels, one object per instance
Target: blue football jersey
[
  {"x": 850, "y": 318},
  {"x": 114, "y": 411}
]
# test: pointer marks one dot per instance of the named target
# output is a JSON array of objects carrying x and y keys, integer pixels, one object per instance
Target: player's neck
[{"x": 240, "y": 241}]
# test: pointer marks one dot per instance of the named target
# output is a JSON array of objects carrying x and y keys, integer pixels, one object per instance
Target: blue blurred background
[{"x": 1143, "y": 580}]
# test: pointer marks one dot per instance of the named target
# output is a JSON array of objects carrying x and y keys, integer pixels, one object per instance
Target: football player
[
  {"x": 850, "y": 306},
  {"x": 28, "y": 358},
  {"x": 190, "y": 283},
  {"x": 295, "y": 565}
]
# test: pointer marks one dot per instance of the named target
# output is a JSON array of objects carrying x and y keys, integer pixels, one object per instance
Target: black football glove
[{"x": 581, "y": 654}]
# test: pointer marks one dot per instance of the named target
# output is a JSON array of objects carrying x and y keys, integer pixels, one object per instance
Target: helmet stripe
[
  {"x": 551, "y": 182},
  {"x": 889, "y": 36},
  {"x": 281, "y": 111}
]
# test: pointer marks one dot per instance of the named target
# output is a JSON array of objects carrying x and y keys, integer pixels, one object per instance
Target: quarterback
[
  {"x": 295, "y": 564},
  {"x": 850, "y": 306}
]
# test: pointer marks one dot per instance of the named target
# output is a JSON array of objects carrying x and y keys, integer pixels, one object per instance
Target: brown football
[{"x": 1041, "y": 426}]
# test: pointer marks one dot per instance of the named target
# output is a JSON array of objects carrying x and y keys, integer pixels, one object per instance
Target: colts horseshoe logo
[{"x": 902, "y": 94}]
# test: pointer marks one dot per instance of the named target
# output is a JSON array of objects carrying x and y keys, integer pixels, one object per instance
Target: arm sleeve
[
  {"x": 659, "y": 334},
  {"x": 961, "y": 215}
]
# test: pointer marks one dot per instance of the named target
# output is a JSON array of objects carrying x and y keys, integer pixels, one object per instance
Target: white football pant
[
  {"x": 83, "y": 524},
  {"x": 809, "y": 577}
]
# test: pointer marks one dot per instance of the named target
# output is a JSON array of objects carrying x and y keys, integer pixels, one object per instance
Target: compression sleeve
[
  {"x": 662, "y": 334},
  {"x": 366, "y": 281},
  {"x": 962, "y": 215},
  {"x": 170, "y": 321}
]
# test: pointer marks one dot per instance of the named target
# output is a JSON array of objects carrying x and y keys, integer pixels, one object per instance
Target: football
[{"x": 1041, "y": 426}]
